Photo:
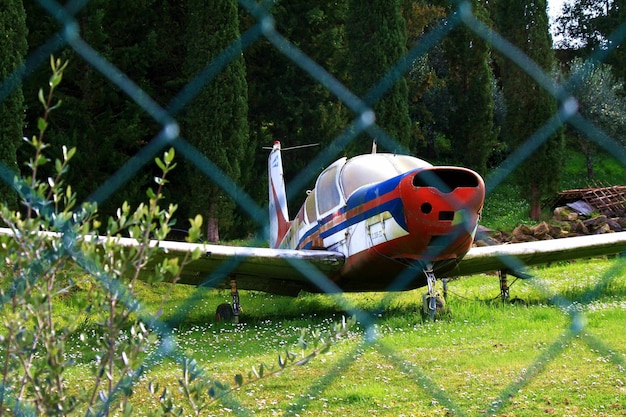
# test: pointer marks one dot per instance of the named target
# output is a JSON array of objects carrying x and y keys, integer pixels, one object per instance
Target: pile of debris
[
  {"x": 610, "y": 201},
  {"x": 576, "y": 212}
]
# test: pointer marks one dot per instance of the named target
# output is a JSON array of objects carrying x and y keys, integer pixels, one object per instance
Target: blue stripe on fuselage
[
  {"x": 393, "y": 206},
  {"x": 361, "y": 197}
]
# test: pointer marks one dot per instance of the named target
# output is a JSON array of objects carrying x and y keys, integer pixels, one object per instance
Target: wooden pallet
[{"x": 606, "y": 199}]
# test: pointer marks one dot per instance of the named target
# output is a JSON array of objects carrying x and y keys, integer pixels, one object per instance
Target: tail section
[{"x": 279, "y": 217}]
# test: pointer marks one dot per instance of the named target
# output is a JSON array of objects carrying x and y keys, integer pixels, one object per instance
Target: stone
[
  {"x": 595, "y": 223},
  {"x": 541, "y": 230}
]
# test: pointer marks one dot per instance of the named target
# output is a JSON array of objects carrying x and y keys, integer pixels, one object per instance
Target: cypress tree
[
  {"x": 470, "y": 85},
  {"x": 425, "y": 79},
  {"x": 529, "y": 106},
  {"x": 105, "y": 125},
  {"x": 215, "y": 122},
  {"x": 13, "y": 45},
  {"x": 376, "y": 37},
  {"x": 286, "y": 103}
]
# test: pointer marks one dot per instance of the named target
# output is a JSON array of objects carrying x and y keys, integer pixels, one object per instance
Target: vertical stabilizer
[{"x": 279, "y": 217}]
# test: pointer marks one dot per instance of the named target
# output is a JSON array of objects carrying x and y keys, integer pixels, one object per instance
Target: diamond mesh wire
[{"x": 265, "y": 29}]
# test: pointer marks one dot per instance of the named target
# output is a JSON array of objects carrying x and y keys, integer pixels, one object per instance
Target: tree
[
  {"x": 588, "y": 25},
  {"x": 286, "y": 103},
  {"x": 215, "y": 122},
  {"x": 599, "y": 99},
  {"x": 376, "y": 36},
  {"x": 529, "y": 106},
  {"x": 13, "y": 45},
  {"x": 144, "y": 40},
  {"x": 425, "y": 80},
  {"x": 105, "y": 125},
  {"x": 470, "y": 85}
]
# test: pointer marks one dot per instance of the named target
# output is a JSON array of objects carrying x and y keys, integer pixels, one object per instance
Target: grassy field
[{"x": 560, "y": 350}]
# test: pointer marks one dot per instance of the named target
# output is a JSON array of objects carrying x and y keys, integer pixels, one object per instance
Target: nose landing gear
[{"x": 432, "y": 303}]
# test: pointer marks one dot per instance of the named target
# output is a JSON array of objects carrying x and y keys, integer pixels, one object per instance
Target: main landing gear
[
  {"x": 226, "y": 311},
  {"x": 504, "y": 284},
  {"x": 433, "y": 304}
]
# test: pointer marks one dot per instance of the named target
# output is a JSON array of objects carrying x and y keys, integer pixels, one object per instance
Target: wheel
[
  {"x": 440, "y": 306},
  {"x": 224, "y": 312}
]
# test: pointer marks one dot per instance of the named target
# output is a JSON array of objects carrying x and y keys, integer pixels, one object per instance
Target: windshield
[{"x": 368, "y": 169}]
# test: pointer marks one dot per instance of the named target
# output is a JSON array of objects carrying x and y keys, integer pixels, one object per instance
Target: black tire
[
  {"x": 224, "y": 312},
  {"x": 440, "y": 307}
]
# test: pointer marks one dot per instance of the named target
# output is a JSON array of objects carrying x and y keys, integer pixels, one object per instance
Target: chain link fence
[{"x": 265, "y": 29}]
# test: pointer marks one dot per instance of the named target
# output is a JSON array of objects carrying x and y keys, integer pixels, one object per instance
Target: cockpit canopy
[{"x": 340, "y": 180}]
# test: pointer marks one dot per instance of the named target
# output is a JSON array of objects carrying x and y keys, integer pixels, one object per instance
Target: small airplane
[{"x": 374, "y": 222}]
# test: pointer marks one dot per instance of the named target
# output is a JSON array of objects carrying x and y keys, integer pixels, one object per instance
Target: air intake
[{"x": 445, "y": 179}]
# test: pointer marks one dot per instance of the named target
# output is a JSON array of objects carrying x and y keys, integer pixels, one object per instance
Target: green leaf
[
  {"x": 195, "y": 229},
  {"x": 56, "y": 106},
  {"x": 68, "y": 153},
  {"x": 159, "y": 163},
  {"x": 42, "y": 160},
  {"x": 302, "y": 343},
  {"x": 239, "y": 380},
  {"x": 55, "y": 79},
  {"x": 171, "y": 266},
  {"x": 169, "y": 156},
  {"x": 42, "y": 125},
  {"x": 42, "y": 99},
  {"x": 197, "y": 254}
]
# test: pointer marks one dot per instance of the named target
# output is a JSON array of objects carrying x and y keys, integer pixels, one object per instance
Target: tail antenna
[
  {"x": 373, "y": 147},
  {"x": 277, "y": 146}
]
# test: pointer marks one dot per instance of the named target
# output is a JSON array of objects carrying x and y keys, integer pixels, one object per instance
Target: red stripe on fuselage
[{"x": 338, "y": 217}]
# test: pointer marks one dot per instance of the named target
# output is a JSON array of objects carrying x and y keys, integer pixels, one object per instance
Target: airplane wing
[
  {"x": 284, "y": 271},
  {"x": 278, "y": 271},
  {"x": 515, "y": 256}
]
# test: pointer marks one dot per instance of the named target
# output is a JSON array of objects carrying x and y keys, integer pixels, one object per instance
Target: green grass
[
  {"x": 483, "y": 352},
  {"x": 504, "y": 209},
  {"x": 607, "y": 170},
  {"x": 485, "y": 357}
]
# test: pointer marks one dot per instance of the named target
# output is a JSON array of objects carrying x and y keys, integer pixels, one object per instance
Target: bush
[{"x": 51, "y": 249}]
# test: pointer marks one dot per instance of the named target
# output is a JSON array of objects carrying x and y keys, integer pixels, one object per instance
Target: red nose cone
[{"x": 442, "y": 206}]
